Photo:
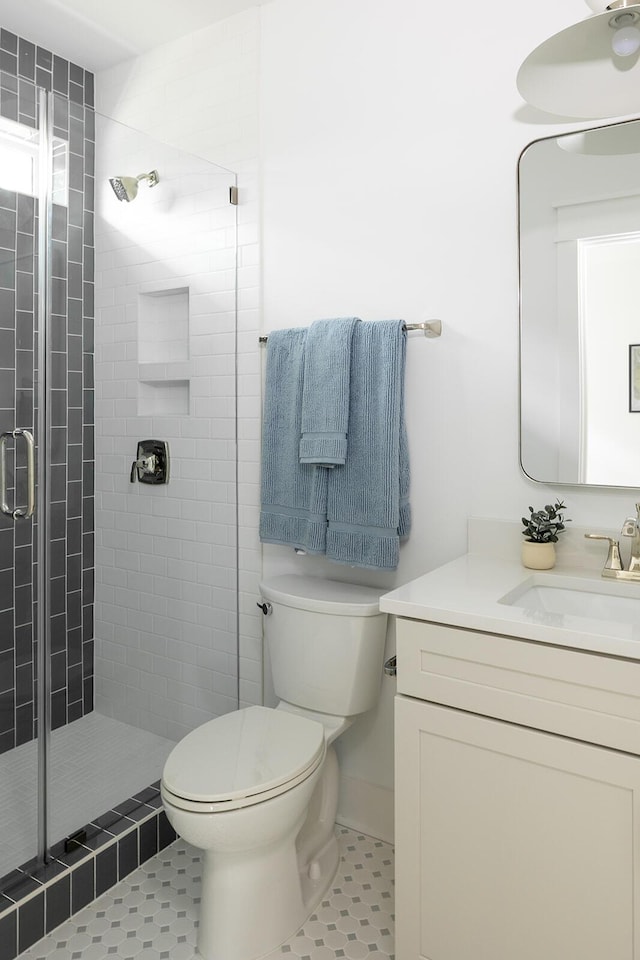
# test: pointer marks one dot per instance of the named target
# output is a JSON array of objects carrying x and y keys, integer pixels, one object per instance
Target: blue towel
[
  {"x": 404, "y": 523},
  {"x": 325, "y": 392},
  {"x": 294, "y": 495},
  {"x": 368, "y": 498}
]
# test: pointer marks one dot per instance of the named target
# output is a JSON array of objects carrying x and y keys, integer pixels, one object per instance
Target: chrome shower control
[
  {"x": 266, "y": 608},
  {"x": 152, "y": 462},
  {"x": 145, "y": 464}
]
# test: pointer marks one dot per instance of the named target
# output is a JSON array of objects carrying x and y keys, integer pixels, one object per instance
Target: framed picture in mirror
[{"x": 634, "y": 378}]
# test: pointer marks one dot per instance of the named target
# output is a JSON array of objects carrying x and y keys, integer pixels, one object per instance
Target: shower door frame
[{"x": 43, "y": 513}]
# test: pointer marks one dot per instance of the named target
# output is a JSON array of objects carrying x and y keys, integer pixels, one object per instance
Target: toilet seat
[{"x": 242, "y": 758}]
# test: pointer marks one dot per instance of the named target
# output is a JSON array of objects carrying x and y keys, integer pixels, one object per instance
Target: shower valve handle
[
  {"x": 145, "y": 464},
  {"x": 265, "y": 607}
]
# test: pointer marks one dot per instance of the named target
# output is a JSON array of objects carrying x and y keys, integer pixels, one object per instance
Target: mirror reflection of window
[{"x": 609, "y": 316}]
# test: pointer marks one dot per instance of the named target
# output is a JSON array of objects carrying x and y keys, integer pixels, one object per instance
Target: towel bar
[{"x": 430, "y": 328}]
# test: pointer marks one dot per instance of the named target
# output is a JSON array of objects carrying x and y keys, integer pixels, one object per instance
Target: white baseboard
[{"x": 366, "y": 808}]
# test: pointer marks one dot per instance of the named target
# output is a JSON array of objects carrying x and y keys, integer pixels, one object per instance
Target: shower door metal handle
[
  {"x": 26, "y": 512},
  {"x": 18, "y": 513},
  {"x": 4, "y": 506}
]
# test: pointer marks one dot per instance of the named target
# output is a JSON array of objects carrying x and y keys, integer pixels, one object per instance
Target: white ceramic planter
[{"x": 538, "y": 556}]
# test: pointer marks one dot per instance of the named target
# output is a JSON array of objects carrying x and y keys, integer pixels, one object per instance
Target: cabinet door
[{"x": 512, "y": 844}]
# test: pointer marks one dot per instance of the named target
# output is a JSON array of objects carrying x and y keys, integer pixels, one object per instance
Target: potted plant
[{"x": 541, "y": 531}]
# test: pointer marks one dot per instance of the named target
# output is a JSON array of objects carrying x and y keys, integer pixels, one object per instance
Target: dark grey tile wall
[{"x": 23, "y": 67}]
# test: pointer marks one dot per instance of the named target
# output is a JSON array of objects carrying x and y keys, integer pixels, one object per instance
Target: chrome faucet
[
  {"x": 613, "y": 567},
  {"x": 631, "y": 528}
]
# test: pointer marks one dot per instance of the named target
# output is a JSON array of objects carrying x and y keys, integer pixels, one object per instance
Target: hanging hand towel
[
  {"x": 293, "y": 509},
  {"x": 368, "y": 498},
  {"x": 325, "y": 392}
]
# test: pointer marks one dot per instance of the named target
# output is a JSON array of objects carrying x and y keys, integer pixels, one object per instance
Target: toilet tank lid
[{"x": 322, "y": 596}]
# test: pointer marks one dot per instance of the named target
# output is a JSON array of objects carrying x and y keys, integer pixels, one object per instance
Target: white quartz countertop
[{"x": 467, "y": 593}]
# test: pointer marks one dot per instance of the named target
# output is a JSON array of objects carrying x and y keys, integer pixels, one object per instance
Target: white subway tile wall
[
  {"x": 200, "y": 93},
  {"x": 166, "y": 582}
]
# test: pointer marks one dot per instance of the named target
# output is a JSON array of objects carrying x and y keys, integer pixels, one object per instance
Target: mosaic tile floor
[
  {"x": 84, "y": 758},
  {"x": 152, "y": 914}
]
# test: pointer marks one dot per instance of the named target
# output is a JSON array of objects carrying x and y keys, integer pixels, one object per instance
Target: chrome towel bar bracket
[{"x": 391, "y": 666}]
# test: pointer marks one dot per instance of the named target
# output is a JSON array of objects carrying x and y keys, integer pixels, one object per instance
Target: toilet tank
[{"x": 326, "y": 643}]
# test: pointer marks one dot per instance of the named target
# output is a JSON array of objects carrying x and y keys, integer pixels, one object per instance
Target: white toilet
[{"x": 257, "y": 790}]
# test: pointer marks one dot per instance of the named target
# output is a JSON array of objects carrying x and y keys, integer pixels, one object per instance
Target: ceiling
[{"x": 99, "y": 33}]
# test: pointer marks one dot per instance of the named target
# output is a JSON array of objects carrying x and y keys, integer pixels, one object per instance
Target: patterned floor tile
[{"x": 152, "y": 915}]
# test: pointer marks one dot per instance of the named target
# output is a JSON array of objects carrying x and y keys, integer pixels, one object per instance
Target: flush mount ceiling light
[{"x": 590, "y": 70}]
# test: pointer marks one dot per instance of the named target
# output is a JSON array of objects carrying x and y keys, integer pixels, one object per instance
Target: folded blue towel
[
  {"x": 368, "y": 498},
  {"x": 294, "y": 495},
  {"x": 358, "y": 512},
  {"x": 325, "y": 392}
]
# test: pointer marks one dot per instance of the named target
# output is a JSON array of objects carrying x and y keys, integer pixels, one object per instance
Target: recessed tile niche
[
  {"x": 163, "y": 398},
  {"x": 163, "y": 349}
]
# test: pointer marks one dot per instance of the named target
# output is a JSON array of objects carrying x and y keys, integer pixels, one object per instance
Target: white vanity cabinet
[{"x": 517, "y": 799}]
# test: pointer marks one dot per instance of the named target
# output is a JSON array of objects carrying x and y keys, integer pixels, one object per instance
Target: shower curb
[{"x": 35, "y": 899}]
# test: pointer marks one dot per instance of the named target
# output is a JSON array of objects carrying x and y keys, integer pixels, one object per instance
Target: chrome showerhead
[{"x": 126, "y": 188}]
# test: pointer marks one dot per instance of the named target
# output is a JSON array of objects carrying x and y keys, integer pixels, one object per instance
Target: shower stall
[{"x": 118, "y": 583}]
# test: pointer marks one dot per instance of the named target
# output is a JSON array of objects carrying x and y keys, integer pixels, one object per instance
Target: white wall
[
  {"x": 389, "y": 142},
  {"x": 198, "y": 92},
  {"x": 390, "y": 134}
]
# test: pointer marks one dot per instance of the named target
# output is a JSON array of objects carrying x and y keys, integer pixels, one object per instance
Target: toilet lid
[{"x": 243, "y": 754}]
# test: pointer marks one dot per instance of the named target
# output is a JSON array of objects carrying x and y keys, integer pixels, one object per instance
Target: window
[{"x": 19, "y": 156}]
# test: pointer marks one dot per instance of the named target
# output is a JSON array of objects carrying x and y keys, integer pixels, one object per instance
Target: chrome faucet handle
[
  {"x": 631, "y": 528},
  {"x": 632, "y": 524},
  {"x": 614, "y": 560}
]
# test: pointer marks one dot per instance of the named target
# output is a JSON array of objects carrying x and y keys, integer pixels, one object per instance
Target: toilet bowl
[
  {"x": 257, "y": 790},
  {"x": 245, "y": 811}
]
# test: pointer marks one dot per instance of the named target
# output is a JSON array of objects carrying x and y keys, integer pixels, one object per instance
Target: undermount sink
[{"x": 577, "y": 598}]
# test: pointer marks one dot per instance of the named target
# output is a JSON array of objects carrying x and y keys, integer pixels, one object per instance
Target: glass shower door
[
  {"x": 20, "y": 283},
  {"x": 18, "y": 759},
  {"x": 117, "y": 325},
  {"x": 150, "y": 273},
  {"x": 46, "y": 457}
]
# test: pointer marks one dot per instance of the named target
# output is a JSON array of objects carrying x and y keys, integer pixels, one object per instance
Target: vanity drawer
[{"x": 581, "y": 695}]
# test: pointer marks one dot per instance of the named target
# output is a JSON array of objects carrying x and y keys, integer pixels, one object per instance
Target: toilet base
[
  {"x": 317, "y": 877},
  {"x": 251, "y": 905},
  {"x": 318, "y": 854},
  {"x": 263, "y": 915},
  {"x": 265, "y": 867}
]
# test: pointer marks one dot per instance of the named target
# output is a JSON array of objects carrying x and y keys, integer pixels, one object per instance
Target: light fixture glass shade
[{"x": 577, "y": 74}]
